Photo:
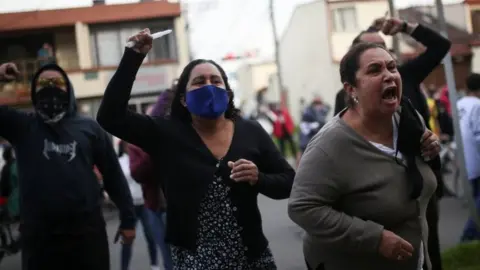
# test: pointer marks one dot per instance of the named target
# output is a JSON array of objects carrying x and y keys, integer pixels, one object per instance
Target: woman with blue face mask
[{"x": 216, "y": 164}]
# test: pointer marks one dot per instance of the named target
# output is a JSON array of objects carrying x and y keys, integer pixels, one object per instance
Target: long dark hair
[{"x": 180, "y": 112}]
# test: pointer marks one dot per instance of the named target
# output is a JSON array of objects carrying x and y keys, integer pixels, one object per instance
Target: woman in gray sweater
[{"x": 363, "y": 184}]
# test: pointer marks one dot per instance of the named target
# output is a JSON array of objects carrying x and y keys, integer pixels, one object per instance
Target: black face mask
[{"x": 51, "y": 103}]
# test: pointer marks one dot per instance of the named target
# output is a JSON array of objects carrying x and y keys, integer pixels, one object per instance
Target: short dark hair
[
  {"x": 178, "y": 111},
  {"x": 349, "y": 64},
  {"x": 473, "y": 82}
]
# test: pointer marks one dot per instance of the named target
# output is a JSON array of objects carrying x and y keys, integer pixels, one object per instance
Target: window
[
  {"x": 345, "y": 19},
  {"x": 108, "y": 42},
  {"x": 476, "y": 21}
]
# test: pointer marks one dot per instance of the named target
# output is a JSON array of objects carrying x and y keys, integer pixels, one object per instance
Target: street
[{"x": 284, "y": 236}]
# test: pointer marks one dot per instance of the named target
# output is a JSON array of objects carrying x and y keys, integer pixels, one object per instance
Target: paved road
[{"x": 284, "y": 236}]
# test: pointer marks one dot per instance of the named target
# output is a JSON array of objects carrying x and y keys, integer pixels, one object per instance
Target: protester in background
[
  {"x": 140, "y": 213},
  {"x": 445, "y": 100},
  {"x": 45, "y": 55},
  {"x": 212, "y": 159},
  {"x": 314, "y": 118},
  {"x": 413, "y": 74},
  {"x": 9, "y": 183},
  {"x": 283, "y": 129},
  {"x": 363, "y": 184},
  {"x": 440, "y": 121},
  {"x": 153, "y": 181},
  {"x": 60, "y": 203},
  {"x": 431, "y": 95},
  {"x": 469, "y": 114}
]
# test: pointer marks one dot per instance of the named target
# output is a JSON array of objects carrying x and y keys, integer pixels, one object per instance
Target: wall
[
  {"x": 84, "y": 50},
  {"x": 183, "y": 49},
  {"x": 366, "y": 12},
  {"x": 461, "y": 71},
  {"x": 66, "y": 50},
  {"x": 149, "y": 79},
  {"x": 252, "y": 77},
  {"x": 305, "y": 56},
  {"x": 476, "y": 59},
  {"x": 454, "y": 14}
]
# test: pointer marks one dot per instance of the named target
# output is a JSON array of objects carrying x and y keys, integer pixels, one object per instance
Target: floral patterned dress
[{"x": 219, "y": 244}]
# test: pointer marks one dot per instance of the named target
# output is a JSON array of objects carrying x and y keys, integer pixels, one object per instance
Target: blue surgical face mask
[{"x": 208, "y": 101}]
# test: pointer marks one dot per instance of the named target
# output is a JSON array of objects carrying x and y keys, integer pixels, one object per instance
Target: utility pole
[
  {"x": 452, "y": 93},
  {"x": 185, "y": 14},
  {"x": 395, "y": 41},
  {"x": 283, "y": 90}
]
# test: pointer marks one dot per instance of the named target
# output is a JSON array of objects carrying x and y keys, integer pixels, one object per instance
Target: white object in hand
[{"x": 156, "y": 35}]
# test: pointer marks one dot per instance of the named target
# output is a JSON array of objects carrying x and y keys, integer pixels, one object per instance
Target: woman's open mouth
[{"x": 390, "y": 94}]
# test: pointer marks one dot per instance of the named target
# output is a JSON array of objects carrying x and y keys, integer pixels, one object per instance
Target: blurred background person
[
  {"x": 314, "y": 117},
  {"x": 140, "y": 213},
  {"x": 469, "y": 114}
]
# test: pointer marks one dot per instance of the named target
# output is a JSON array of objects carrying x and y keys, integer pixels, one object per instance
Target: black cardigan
[
  {"x": 416, "y": 70},
  {"x": 189, "y": 166}
]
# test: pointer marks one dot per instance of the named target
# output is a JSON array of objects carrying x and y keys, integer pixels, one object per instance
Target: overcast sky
[{"x": 218, "y": 28}]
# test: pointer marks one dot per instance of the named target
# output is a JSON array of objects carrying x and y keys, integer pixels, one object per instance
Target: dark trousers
[
  {"x": 126, "y": 255},
  {"x": 470, "y": 231},
  {"x": 287, "y": 138},
  {"x": 79, "y": 249},
  {"x": 433, "y": 239}
]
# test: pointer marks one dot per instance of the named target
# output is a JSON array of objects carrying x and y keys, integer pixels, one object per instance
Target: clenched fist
[
  {"x": 143, "y": 41},
  {"x": 8, "y": 72}
]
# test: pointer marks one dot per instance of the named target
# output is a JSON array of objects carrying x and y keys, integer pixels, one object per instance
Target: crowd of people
[{"x": 365, "y": 190}]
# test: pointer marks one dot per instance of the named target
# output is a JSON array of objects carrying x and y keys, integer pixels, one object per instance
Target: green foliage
[{"x": 465, "y": 256}]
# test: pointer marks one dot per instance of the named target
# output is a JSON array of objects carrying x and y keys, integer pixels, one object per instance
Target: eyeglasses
[{"x": 51, "y": 82}]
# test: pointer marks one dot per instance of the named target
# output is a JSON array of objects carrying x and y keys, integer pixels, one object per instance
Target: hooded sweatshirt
[{"x": 58, "y": 187}]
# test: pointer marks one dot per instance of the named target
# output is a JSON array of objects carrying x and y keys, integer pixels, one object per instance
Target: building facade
[{"x": 88, "y": 43}]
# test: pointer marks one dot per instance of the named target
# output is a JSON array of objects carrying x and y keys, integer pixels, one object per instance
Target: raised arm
[
  {"x": 13, "y": 123},
  {"x": 315, "y": 190},
  {"x": 114, "y": 115},
  {"x": 437, "y": 47},
  {"x": 275, "y": 176}
]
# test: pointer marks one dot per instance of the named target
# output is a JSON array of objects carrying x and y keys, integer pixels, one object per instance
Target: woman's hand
[
  {"x": 143, "y": 41},
  {"x": 244, "y": 171},
  {"x": 430, "y": 145},
  {"x": 394, "y": 247}
]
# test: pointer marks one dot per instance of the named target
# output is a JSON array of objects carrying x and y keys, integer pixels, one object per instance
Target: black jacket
[
  {"x": 58, "y": 187},
  {"x": 416, "y": 70},
  {"x": 190, "y": 167}
]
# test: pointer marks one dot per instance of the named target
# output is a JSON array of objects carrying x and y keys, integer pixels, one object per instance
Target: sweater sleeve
[
  {"x": 275, "y": 174},
  {"x": 437, "y": 47},
  {"x": 114, "y": 180},
  {"x": 13, "y": 123},
  {"x": 114, "y": 115},
  {"x": 315, "y": 190}
]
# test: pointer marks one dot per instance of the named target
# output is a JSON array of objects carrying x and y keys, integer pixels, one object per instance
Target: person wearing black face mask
[
  {"x": 60, "y": 203},
  {"x": 212, "y": 159}
]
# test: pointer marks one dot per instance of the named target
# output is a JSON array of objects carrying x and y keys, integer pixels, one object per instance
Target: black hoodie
[{"x": 58, "y": 187}]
